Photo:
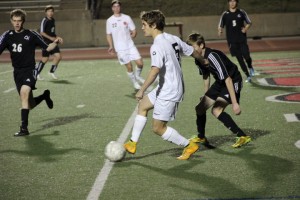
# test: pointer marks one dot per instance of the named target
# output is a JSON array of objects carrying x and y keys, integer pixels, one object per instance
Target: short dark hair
[
  {"x": 49, "y": 7},
  {"x": 235, "y": 0},
  {"x": 154, "y": 17},
  {"x": 18, "y": 13}
]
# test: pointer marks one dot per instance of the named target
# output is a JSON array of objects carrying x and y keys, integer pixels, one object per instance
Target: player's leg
[
  {"x": 246, "y": 54},
  {"x": 138, "y": 70},
  {"x": 140, "y": 121},
  {"x": 34, "y": 101},
  {"x": 131, "y": 76},
  {"x": 56, "y": 59},
  {"x": 235, "y": 50},
  {"x": 41, "y": 64}
]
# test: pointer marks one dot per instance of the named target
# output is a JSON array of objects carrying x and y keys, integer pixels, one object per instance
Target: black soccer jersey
[
  {"x": 21, "y": 47},
  {"x": 48, "y": 27},
  {"x": 234, "y": 22},
  {"x": 220, "y": 66}
]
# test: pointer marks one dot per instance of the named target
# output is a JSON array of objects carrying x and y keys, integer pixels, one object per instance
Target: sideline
[{"x": 103, "y": 174}]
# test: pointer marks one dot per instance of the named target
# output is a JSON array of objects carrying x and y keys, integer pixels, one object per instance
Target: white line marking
[
  {"x": 6, "y": 72},
  {"x": 273, "y": 98},
  {"x": 103, "y": 174},
  {"x": 9, "y": 90},
  {"x": 297, "y": 144},
  {"x": 291, "y": 118}
]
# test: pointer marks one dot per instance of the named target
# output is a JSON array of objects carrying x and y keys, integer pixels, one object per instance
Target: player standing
[
  {"x": 165, "y": 98},
  {"x": 47, "y": 30},
  {"x": 224, "y": 91},
  {"x": 237, "y": 23},
  {"x": 21, "y": 44},
  {"x": 120, "y": 30}
]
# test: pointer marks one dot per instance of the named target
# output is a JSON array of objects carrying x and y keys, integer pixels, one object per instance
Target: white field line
[
  {"x": 103, "y": 174},
  {"x": 6, "y": 72},
  {"x": 9, "y": 90}
]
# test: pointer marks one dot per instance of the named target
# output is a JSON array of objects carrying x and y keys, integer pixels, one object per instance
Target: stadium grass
[{"x": 92, "y": 103}]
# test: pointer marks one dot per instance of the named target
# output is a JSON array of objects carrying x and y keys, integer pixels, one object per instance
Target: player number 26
[{"x": 17, "y": 47}]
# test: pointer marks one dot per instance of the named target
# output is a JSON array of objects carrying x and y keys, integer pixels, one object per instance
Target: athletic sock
[
  {"x": 249, "y": 63},
  {"x": 138, "y": 71},
  {"x": 39, "y": 99},
  {"x": 243, "y": 65},
  {"x": 132, "y": 77},
  {"x": 138, "y": 126},
  {"x": 24, "y": 118},
  {"x": 201, "y": 122},
  {"x": 173, "y": 136},
  {"x": 230, "y": 124},
  {"x": 40, "y": 67},
  {"x": 53, "y": 68}
]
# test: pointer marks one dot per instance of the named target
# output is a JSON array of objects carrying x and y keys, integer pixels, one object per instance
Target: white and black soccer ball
[{"x": 115, "y": 151}]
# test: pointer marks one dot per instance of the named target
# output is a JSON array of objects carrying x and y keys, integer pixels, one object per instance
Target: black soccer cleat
[
  {"x": 48, "y": 100},
  {"x": 22, "y": 132}
]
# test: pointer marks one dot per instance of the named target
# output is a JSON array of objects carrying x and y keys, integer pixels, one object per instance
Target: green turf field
[{"x": 93, "y": 101}]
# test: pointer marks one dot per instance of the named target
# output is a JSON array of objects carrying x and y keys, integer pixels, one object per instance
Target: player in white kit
[
  {"x": 120, "y": 30},
  {"x": 164, "y": 99}
]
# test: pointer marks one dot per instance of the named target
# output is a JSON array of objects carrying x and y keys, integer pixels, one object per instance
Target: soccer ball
[{"x": 114, "y": 151}]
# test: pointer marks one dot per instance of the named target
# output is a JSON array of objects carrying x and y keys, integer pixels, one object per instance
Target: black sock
[
  {"x": 39, "y": 99},
  {"x": 53, "y": 68},
  {"x": 230, "y": 124},
  {"x": 24, "y": 118},
  {"x": 243, "y": 65},
  {"x": 249, "y": 63},
  {"x": 201, "y": 122},
  {"x": 40, "y": 66}
]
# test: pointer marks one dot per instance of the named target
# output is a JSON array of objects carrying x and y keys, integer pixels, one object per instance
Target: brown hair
[{"x": 18, "y": 13}]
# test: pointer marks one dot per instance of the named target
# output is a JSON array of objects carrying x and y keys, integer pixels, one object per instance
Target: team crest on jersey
[
  {"x": 125, "y": 23},
  {"x": 154, "y": 53},
  {"x": 27, "y": 37},
  {"x": 239, "y": 16}
]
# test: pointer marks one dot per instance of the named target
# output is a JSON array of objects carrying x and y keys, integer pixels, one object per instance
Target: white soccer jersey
[
  {"x": 119, "y": 28},
  {"x": 165, "y": 54}
]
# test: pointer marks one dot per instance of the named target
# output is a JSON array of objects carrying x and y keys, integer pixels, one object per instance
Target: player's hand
[
  {"x": 139, "y": 95},
  {"x": 244, "y": 30},
  {"x": 56, "y": 41},
  {"x": 236, "y": 108},
  {"x": 60, "y": 40},
  {"x": 111, "y": 51}
]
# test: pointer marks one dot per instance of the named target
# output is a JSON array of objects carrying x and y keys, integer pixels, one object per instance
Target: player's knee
[{"x": 216, "y": 112}]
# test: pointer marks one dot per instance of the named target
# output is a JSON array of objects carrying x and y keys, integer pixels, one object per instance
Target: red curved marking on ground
[
  {"x": 287, "y": 81},
  {"x": 293, "y": 97}
]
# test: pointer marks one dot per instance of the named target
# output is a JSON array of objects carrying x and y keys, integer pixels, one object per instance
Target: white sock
[
  {"x": 132, "y": 77},
  {"x": 138, "y": 71},
  {"x": 173, "y": 136},
  {"x": 138, "y": 126}
]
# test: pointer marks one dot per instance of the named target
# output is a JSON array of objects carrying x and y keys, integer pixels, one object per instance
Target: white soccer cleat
[
  {"x": 136, "y": 86},
  {"x": 53, "y": 75},
  {"x": 140, "y": 79},
  {"x": 39, "y": 78}
]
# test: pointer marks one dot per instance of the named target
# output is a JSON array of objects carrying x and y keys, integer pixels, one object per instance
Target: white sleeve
[
  {"x": 108, "y": 30},
  {"x": 131, "y": 24},
  {"x": 186, "y": 49},
  {"x": 156, "y": 57}
]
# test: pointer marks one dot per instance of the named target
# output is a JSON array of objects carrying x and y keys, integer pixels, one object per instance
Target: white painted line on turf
[
  {"x": 274, "y": 98},
  {"x": 297, "y": 144},
  {"x": 6, "y": 72},
  {"x": 80, "y": 106},
  {"x": 9, "y": 90},
  {"x": 291, "y": 117},
  {"x": 103, "y": 174}
]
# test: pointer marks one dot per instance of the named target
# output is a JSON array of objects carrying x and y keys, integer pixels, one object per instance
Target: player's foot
[
  {"x": 40, "y": 78},
  {"x": 53, "y": 75},
  {"x": 140, "y": 79},
  {"x": 251, "y": 72},
  {"x": 22, "y": 132},
  {"x": 136, "y": 86},
  {"x": 188, "y": 151},
  {"x": 196, "y": 139},
  {"x": 130, "y": 147},
  {"x": 48, "y": 100},
  {"x": 248, "y": 80},
  {"x": 240, "y": 141}
]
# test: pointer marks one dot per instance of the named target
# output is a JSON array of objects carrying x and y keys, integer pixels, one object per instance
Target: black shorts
[
  {"x": 25, "y": 77},
  {"x": 47, "y": 54},
  {"x": 219, "y": 89},
  {"x": 239, "y": 48}
]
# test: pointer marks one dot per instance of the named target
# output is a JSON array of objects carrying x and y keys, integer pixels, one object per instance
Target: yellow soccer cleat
[
  {"x": 196, "y": 139},
  {"x": 188, "y": 151},
  {"x": 130, "y": 147},
  {"x": 240, "y": 141}
]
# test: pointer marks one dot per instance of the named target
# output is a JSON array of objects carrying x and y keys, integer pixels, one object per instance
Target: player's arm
[
  {"x": 247, "y": 20},
  {"x": 235, "y": 106},
  {"x": 48, "y": 36},
  {"x": 110, "y": 43},
  {"x": 52, "y": 45},
  {"x": 3, "y": 45},
  {"x": 133, "y": 33},
  {"x": 221, "y": 25},
  {"x": 206, "y": 81},
  {"x": 149, "y": 80}
]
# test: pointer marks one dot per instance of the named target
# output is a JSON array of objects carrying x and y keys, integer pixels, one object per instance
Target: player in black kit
[
  {"x": 47, "y": 30},
  {"x": 237, "y": 23},
  {"x": 224, "y": 91},
  {"x": 21, "y": 44}
]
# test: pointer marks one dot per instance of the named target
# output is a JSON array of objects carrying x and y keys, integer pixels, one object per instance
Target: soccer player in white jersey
[
  {"x": 120, "y": 30},
  {"x": 165, "y": 98}
]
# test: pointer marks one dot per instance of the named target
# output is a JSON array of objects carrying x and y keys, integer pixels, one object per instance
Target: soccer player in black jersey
[
  {"x": 224, "y": 91},
  {"x": 21, "y": 44},
  {"x": 47, "y": 30},
  {"x": 237, "y": 24}
]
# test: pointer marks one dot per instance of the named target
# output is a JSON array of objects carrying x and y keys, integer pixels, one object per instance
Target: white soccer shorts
[{"x": 128, "y": 55}]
